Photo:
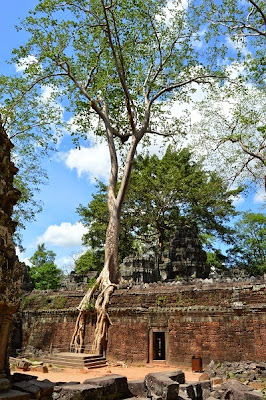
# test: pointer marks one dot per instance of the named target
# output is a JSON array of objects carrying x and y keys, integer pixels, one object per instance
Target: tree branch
[
  {"x": 118, "y": 68},
  {"x": 178, "y": 85}
]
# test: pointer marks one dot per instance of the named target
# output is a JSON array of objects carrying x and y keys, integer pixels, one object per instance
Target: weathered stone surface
[
  {"x": 204, "y": 377},
  {"x": 188, "y": 390},
  {"x": 183, "y": 257},
  {"x": 40, "y": 368},
  {"x": 177, "y": 376},
  {"x": 254, "y": 395},
  {"x": 161, "y": 385},
  {"x": 36, "y": 389},
  {"x": 77, "y": 392},
  {"x": 235, "y": 390},
  {"x": 138, "y": 388},
  {"x": 4, "y": 384},
  {"x": 10, "y": 267},
  {"x": 111, "y": 385},
  {"x": 217, "y": 380},
  {"x": 18, "y": 377},
  {"x": 14, "y": 395}
]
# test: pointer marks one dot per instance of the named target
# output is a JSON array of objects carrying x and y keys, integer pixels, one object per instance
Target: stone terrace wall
[{"x": 221, "y": 322}]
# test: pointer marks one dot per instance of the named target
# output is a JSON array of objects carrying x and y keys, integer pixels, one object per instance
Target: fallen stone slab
[
  {"x": 19, "y": 377},
  {"x": 14, "y": 395},
  {"x": 115, "y": 385},
  {"x": 235, "y": 389},
  {"x": 177, "y": 376},
  {"x": 138, "y": 388},
  {"x": 161, "y": 385},
  {"x": 77, "y": 392},
  {"x": 35, "y": 388},
  {"x": 39, "y": 368},
  {"x": 254, "y": 395}
]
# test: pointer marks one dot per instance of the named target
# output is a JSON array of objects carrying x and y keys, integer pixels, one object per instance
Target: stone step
[
  {"x": 74, "y": 357},
  {"x": 94, "y": 361}
]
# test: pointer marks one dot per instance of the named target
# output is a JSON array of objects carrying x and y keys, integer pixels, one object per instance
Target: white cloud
[
  {"x": 260, "y": 196},
  {"x": 22, "y": 257},
  {"x": 64, "y": 235},
  {"x": 93, "y": 161},
  {"x": 25, "y": 62},
  {"x": 238, "y": 200},
  {"x": 238, "y": 46}
]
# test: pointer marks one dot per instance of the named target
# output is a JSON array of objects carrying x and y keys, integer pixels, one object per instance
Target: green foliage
[
  {"x": 216, "y": 259},
  {"x": 31, "y": 121},
  {"x": 232, "y": 128},
  {"x": 90, "y": 306},
  {"x": 43, "y": 272},
  {"x": 163, "y": 194},
  {"x": 243, "y": 22},
  {"x": 161, "y": 300},
  {"x": 249, "y": 250},
  {"x": 89, "y": 261}
]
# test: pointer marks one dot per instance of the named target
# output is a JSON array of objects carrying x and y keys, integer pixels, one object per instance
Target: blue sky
[{"x": 71, "y": 172}]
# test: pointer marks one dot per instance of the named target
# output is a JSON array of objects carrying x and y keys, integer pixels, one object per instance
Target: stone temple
[{"x": 183, "y": 257}]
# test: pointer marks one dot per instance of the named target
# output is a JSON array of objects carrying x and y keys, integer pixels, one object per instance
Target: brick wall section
[{"x": 221, "y": 322}]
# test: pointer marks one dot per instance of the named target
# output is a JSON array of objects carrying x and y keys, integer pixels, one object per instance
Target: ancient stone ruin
[
  {"x": 183, "y": 257},
  {"x": 10, "y": 268}
]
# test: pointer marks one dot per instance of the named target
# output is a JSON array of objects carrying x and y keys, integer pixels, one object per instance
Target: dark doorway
[{"x": 158, "y": 345}]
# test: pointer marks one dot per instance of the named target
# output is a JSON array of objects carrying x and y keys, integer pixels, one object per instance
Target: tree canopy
[
  {"x": 163, "y": 194},
  {"x": 43, "y": 272},
  {"x": 249, "y": 250}
]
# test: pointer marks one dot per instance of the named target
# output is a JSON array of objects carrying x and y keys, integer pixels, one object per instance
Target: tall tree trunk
[
  {"x": 105, "y": 285},
  {"x": 109, "y": 276}
]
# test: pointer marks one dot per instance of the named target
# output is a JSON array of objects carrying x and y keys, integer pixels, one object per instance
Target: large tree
[
  {"x": 43, "y": 271},
  {"x": 232, "y": 129},
  {"x": 163, "y": 194},
  {"x": 32, "y": 121},
  {"x": 249, "y": 250},
  {"x": 121, "y": 65}
]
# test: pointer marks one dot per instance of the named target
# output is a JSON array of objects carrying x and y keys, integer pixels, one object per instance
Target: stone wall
[
  {"x": 10, "y": 268},
  {"x": 221, "y": 322}
]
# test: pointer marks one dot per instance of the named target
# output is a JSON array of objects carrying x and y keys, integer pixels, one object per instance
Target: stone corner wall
[{"x": 10, "y": 267}]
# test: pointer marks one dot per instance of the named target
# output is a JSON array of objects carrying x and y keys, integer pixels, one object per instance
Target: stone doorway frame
[{"x": 152, "y": 331}]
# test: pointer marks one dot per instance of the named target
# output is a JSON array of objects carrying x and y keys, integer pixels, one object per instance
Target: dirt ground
[{"x": 131, "y": 372}]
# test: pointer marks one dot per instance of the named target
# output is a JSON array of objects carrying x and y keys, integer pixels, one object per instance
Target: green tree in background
[
  {"x": 43, "y": 272},
  {"x": 91, "y": 260},
  {"x": 163, "y": 194},
  {"x": 249, "y": 251}
]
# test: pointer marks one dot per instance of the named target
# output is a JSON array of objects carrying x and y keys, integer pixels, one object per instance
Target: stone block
[
  {"x": 40, "y": 368},
  {"x": 14, "y": 395},
  {"x": 35, "y": 388},
  {"x": 111, "y": 385},
  {"x": 217, "y": 380},
  {"x": 187, "y": 389},
  {"x": 235, "y": 390},
  {"x": 138, "y": 388},
  {"x": 19, "y": 377},
  {"x": 161, "y": 385},
  {"x": 77, "y": 392},
  {"x": 177, "y": 376},
  {"x": 254, "y": 395},
  {"x": 204, "y": 377},
  {"x": 4, "y": 384}
]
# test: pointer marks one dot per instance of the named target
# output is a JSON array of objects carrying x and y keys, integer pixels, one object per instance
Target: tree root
[{"x": 106, "y": 289}]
